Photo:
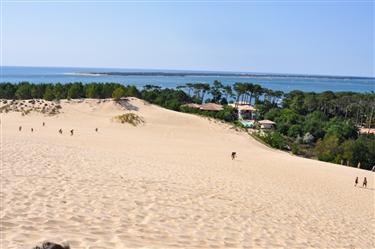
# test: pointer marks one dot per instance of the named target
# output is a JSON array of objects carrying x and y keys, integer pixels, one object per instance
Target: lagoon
[{"x": 173, "y": 78}]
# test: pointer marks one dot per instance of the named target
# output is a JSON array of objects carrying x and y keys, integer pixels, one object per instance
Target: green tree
[
  {"x": 200, "y": 90},
  {"x": 327, "y": 149},
  {"x": 241, "y": 90},
  {"x": 23, "y": 91},
  {"x": 296, "y": 102},
  {"x": 216, "y": 91},
  {"x": 314, "y": 124},
  {"x": 286, "y": 119},
  {"x": 7, "y": 91},
  {"x": 228, "y": 114},
  {"x": 48, "y": 93},
  {"x": 107, "y": 90},
  {"x": 273, "y": 114},
  {"x": 357, "y": 151},
  {"x": 59, "y": 91},
  {"x": 118, "y": 93},
  {"x": 150, "y": 87},
  {"x": 228, "y": 91},
  {"x": 341, "y": 129},
  {"x": 75, "y": 91},
  {"x": 93, "y": 90},
  {"x": 37, "y": 91},
  {"x": 275, "y": 139},
  {"x": 132, "y": 91},
  {"x": 250, "y": 91},
  {"x": 257, "y": 91},
  {"x": 295, "y": 130}
]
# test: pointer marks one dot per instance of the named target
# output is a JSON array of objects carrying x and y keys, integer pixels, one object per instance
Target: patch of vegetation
[
  {"x": 26, "y": 112},
  {"x": 228, "y": 113},
  {"x": 5, "y": 108},
  {"x": 274, "y": 139},
  {"x": 130, "y": 118},
  {"x": 54, "y": 111}
]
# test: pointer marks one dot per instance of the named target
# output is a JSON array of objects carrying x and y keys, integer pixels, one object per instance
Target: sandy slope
[{"x": 169, "y": 184}]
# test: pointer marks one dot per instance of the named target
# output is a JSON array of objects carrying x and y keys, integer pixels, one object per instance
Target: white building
[
  {"x": 244, "y": 110},
  {"x": 266, "y": 124}
]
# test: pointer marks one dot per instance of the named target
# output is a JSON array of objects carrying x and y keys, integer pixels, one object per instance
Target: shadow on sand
[
  {"x": 365, "y": 188},
  {"x": 127, "y": 105}
]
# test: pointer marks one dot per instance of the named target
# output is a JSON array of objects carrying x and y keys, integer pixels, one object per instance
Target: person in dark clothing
[
  {"x": 71, "y": 132},
  {"x": 60, "y": 131},
  {"x": 20, "y": 128},
  {"x": 44, "y": 124},
  {"x": 96, "y": 129},
  {"x": 356, "y": 182},
  {"x": 32, "y": 129},
  {"x": 234, "y": 155},
  {"x": 364, "y": 183}
]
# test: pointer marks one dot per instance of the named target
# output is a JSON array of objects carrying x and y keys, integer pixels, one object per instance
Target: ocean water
[{"x": 285, "y": 83}]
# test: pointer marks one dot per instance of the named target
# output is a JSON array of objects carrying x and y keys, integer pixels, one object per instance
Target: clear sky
[{"x": 313, "y": 37}]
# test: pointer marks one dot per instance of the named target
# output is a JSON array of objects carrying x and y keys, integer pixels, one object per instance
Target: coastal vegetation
[
  {"x": 326, "y": 125},
  {"x": 25, "y": 107},
  {"x": 130, "y": 118},
  {"x": 323, "y": 125}
]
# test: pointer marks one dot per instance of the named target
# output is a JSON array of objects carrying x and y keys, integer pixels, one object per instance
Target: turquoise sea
[{"x": 284, "y": 82}]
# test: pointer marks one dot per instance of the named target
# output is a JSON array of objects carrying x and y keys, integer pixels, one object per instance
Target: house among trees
[
  {"x": 266, "y": 124},
  {"x": 211, "y": 107},
  {"x": 205, "y": 107},
  {"x": 193, "y": 105},
  {"x": 245, "y": 111},
  {"x": 364, "y": 130}
]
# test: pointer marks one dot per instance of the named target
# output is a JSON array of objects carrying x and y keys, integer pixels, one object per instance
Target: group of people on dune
[
  {"x": 60, "y": 130},
  {"x": 50, "y": 245},
  {"x": 364, "y": 184}
]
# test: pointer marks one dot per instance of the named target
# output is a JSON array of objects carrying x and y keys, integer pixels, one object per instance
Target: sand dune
[{"x": 169, "y": 183}]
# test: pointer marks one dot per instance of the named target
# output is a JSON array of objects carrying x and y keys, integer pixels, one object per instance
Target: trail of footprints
[
  {"x": 97, "y": 200},
  {"x": 53, "y": 201}
]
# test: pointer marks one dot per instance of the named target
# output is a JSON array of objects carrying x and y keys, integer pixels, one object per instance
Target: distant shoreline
[
  {"x": 84, "y": 74},
  {"x": 203, "y": 74},
  {"x": 172, "y": 78}
]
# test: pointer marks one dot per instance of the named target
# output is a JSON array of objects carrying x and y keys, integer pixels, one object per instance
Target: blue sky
[{"x": 313, "y": 37}]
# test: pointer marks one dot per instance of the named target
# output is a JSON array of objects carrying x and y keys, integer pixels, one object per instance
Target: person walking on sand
[
  {"x": 356, "y": 182},
  {"x": 20, "y": 128},
  {"x": 44, "y": 124},
  {"x": 60, "y": 131},
  {"x": 96, "y": 129},
  {"x": 364, "y": 183},
  {"x": 32, "y": 129},
  {"x": 71, "y": 132},
  {"x": 234, "y": 155}
]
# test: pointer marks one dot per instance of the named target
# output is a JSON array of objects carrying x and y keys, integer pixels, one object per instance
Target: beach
[{"x": 168, "y": 183}]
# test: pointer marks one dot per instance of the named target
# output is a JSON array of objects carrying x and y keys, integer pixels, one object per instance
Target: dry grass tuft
[{"x": 130, "y": 118}]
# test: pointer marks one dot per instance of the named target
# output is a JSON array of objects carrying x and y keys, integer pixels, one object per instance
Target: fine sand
[{"x": 168, "y": 183}]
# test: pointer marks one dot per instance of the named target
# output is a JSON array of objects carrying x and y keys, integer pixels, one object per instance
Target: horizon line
[{"x": 200, "y": 70}]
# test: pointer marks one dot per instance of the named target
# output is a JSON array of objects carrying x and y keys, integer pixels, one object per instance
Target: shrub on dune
[
  {"x": 130, "y": 118},
  {"x": 275, "y": 139}
]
